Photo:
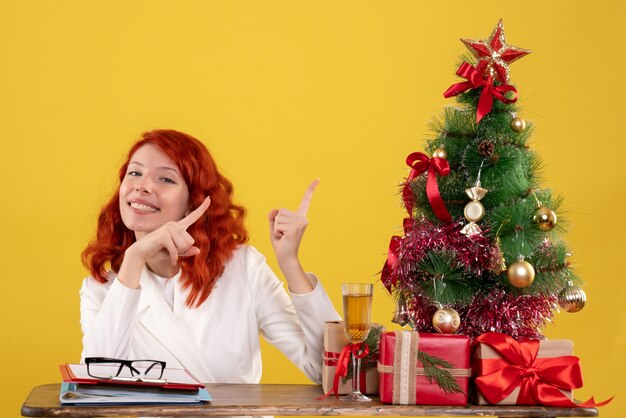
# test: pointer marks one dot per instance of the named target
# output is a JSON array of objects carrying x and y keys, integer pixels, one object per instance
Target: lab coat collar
[{"x": 160, "y": 321}]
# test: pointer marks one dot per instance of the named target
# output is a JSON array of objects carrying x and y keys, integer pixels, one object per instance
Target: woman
[{"x": 173, "y": 280}]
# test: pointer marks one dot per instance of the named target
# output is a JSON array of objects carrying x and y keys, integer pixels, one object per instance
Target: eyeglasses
[{"x": 132, "y": 370}]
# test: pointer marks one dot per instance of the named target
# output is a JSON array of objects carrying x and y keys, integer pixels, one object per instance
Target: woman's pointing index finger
[
  {"x": 306, "y": 200},
  {"x": 196, "y": 214}
]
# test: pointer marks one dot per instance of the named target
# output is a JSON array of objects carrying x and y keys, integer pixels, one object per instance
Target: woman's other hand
[{"x": 286, "y": 232}]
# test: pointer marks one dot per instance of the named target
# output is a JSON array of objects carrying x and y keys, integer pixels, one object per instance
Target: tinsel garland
[
  {"x": 520, "y": 316},
  {"x": 475, "y": 254}
]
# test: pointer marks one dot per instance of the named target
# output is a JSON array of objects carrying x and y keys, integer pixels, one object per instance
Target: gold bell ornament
[
  {"x": 401, "y": 314},
  {"x": 500, "y": 264},
  {"x": 446, "y": 321},
  {"x": 521, "y": 273},
  {"x": 572, "y": 298}
]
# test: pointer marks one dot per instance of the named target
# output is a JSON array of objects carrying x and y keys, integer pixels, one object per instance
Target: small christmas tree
[{"x": 481, "y": 249}]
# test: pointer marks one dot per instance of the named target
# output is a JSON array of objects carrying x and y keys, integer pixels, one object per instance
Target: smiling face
[{"x": 153, "y": 191}]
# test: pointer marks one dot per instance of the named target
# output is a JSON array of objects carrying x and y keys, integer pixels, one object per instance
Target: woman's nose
[{"x": 144, "y": 187}]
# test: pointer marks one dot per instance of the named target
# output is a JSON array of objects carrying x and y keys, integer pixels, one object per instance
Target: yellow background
[{"x": 283, "y": 92}]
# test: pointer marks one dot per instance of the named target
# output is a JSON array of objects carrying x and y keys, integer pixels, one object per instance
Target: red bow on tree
[
  {"x": 388, "y": 275},
  {"x": 420, "y": 163},
  {"x": 539, "y": 379},
  {"x": 476, "y": 79}
]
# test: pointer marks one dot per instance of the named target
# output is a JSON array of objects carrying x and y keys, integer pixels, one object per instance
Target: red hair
[{"x": 218, "y": 233}]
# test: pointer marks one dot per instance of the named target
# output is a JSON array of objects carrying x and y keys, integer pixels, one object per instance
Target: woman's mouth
[{"x": 143, "y": 207}]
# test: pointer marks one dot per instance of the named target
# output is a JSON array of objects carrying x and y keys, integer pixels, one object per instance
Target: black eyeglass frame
[{"x": 125, "y": 363}]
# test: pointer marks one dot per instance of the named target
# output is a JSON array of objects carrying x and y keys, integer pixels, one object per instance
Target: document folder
[{"x": 175, "y": 386}]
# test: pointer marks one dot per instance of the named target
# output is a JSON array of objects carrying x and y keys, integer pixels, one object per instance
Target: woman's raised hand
[{"x": 287, "y": 227}]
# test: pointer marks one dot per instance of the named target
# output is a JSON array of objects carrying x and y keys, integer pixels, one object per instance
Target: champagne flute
[{"x": 357, "y": 311}]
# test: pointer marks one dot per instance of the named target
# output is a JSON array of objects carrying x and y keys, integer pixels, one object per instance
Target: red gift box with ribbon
[
  {"x": 534, "y": 372},
  {"x": 336, "y": 341},
  {"x": 424, "y": 369}
]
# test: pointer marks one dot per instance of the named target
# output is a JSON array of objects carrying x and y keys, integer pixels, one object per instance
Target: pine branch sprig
[{"x": 435, "y": 369}]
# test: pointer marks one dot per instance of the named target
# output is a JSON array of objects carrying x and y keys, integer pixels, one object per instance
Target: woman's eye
[
  {"x": 133, "y": 173},
  {"x": 167, "y": 180}
]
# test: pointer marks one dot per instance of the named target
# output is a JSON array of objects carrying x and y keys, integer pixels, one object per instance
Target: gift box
[
  {"x": 335, "y": 340},
  {"x": 534, "y": 372},
  {"x": 424, "y": 369}
]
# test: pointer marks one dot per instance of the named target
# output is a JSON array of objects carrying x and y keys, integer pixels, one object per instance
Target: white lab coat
[{"x": 218, "y": 342}]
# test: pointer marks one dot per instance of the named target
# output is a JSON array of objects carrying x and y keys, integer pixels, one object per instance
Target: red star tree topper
[{"x": 496, "y": 53}]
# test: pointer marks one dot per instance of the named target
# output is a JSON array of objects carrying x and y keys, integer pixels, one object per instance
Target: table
[{"x": 249, "y": 399}]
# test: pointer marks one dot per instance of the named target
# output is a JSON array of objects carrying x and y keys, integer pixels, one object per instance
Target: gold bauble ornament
[
  {"x": 446, "y": 321},
  {"x": 440, "y": 153},
  {"x": 520, "y": 274},
  {"x": 518, "y": 124},
  {"x": 545, "y": 218},
  {"x": 572, "y": 298}
]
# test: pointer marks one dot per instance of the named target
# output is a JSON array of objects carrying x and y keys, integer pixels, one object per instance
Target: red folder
[{"x": 179, "y": 379}]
